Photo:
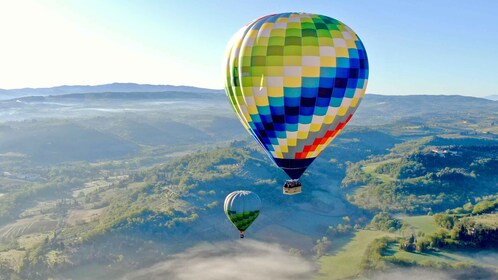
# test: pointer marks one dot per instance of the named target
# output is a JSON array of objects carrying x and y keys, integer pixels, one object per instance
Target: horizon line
[{"x": 198, "y": 87}]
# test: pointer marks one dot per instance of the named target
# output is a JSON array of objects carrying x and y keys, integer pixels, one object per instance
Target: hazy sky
[{"x": 414, "y": 47}]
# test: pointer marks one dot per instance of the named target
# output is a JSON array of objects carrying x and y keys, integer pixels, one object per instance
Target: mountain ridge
[
  {"x": 493, "y": 97},
  {"x": 6, "y": 94},
  {"x": 113, "y": 87},
  {"x": 198, "y": 93}
]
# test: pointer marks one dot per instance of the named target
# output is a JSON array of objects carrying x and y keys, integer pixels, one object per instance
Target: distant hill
[
  {"x": 415, "y": 111},
  {"x": 96, "y": 185},
  {"x": 60, "y": 142},
  {"x": 114, "y": 87},
  {"x": 423, "y": 104},
  {"x": 492, "y": 97},
  {"x": 378, "y": 109},
  {"x": 381, "y": 105},
  {"x": 123, "y": 96}
]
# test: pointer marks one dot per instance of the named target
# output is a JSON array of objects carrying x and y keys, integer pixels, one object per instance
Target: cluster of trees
[
  {"x": 445, "y": 221},
  {"x": 484, "y": 205},
  {"x": 347, "y": 227},
  {"x": 355, "y": 145},
  {"x": 376, "y": 258},
  {"x": 373, "y": 258},
  {"x": 385, "y": 222},
  {"x": 421, "y": 180},
  {"x": 402, "y": 169},
  {"x": 355, "y": 176},
  {"x": 457, "y": 233},
  {"x": 471, "y": 232},
  {"x": 134, "y": 212},
  {"x": 420, "y": 244},
  {"x": 12, "y": 204},
  {"x": 148, "y": 222},
  {"x": 35, "y": 263}
]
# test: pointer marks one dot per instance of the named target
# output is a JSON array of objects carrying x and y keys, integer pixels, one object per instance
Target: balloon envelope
[
  {"x": 295, "y": 80},
  {"x": 242, "y": 208}
]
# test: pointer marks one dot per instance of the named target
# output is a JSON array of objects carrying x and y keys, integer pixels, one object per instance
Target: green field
[
  {"x": 439, "y": 257},
  {"x": 370, "y": 169},
  {"x": 489, "y": 220},
  {"x": 125, "y": 181},
  {"x": 347, "y": 261},
  {"x": 422, "y": 223},
  {"x": 427, "y": 225},
  {"x": 30, "y": 241},
  {"x": 37, "y": 224}
]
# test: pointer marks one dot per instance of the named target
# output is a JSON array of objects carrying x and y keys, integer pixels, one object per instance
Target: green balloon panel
[
  {"x": 242, "y": 208},
  {"x": 243, "y": 220}
]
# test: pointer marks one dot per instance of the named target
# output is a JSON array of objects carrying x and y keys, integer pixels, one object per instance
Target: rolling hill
[
  {"x": 112, "y": 182},
  {"x": 114, "y": 87}
]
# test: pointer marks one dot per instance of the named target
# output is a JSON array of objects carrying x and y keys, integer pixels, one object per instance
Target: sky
[{"x": 414, "y": 47}]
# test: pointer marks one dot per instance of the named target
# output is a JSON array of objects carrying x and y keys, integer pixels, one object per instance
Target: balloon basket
[{"x": 292, "y": 187}]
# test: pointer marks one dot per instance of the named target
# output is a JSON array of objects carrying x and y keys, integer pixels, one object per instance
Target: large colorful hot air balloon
[
  {"x": 242, "y": 208},
  {"x": 295, "y": 80}
]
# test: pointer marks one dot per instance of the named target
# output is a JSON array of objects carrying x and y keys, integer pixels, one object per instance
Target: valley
[{"x": 111, "y": 183}]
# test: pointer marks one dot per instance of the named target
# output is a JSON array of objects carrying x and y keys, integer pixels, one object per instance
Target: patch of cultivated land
[
  {"x": 489, "y": 220},
  {"x": 83, "y": 216},
  {"x": 347, "y": 261},
  {"x": 27, "y": 226},
  {"x": 98, "y": 185},
  {"x": 30, "y": 241},
  {"x": 90, "y": 187},
  {"x": 40, "y": 209}
]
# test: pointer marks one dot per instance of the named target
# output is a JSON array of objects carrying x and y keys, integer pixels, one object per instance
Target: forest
[{"x": 110, "y": 192}]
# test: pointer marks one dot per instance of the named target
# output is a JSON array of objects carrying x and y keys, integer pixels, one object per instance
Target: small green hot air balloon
[{"x": 242, "y": 208}]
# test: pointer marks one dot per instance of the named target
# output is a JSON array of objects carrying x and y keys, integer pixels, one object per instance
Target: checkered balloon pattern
[{"x": 295, "y": 80}]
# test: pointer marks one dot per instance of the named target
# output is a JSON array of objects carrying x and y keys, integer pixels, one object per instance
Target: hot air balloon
[
  {"x": 294, "y": 80},
  {"x": 242, "y": 208}
]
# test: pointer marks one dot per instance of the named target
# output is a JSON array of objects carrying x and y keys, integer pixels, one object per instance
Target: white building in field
[{"x": 445, "y": 152}]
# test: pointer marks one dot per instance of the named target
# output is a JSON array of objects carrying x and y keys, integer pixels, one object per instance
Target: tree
[
  {"x": 444, "y": 220},
  {"x": 421, "y": 245},
  {"x": 485, "y": 206},
  {"x": 412, "y": 239}
]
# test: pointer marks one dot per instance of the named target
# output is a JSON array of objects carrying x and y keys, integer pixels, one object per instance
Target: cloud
[
  {"x": 249, "y": 259},
  {"x": 485, "y": 257},
  {"x": 434, "y": 274},
  {"x": 244, "y": 259}
]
